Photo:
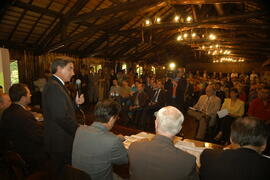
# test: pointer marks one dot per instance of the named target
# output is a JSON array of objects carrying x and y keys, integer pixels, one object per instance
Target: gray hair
[{"x": 169, "y": 120}]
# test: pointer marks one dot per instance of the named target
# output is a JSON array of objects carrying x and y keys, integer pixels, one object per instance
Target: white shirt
[{"x": 59, "y": 79}]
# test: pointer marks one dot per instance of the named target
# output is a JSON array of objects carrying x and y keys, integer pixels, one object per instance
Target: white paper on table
[
  {"x": 191, "y": 149},
  {"x": 222, "y": 113}
]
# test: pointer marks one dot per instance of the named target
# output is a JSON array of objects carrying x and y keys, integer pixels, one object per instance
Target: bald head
[{"x": 169, "y": 120}]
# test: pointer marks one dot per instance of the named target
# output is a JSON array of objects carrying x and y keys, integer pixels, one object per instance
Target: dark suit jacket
[
  {"x": 59, "y": 117},
  {"x": 143, "y": 99},
  {"x": 19, "y": 127},
  {"x": 239, "y": 164},
  {"x": 161, "y": 100},
  {"x": 159, "y": 159},
  {"x": 180, "y": 90},
  {"x": 95, "y": 149}
]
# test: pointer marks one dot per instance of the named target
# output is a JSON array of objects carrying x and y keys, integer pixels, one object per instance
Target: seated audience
[
  {"x": 159, "y": 158},
  {"x": 235, "y": 108},
  {"x": 243, "y": 163},
  {"x": 219, "y": 92},
  {"x": 206, "y": 110},
  {"x": 20, "y": 128},
  {"x": 95, "y": 148},
  {"x": 260, "y": 106}
]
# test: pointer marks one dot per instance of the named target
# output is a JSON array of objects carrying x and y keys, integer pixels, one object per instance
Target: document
[
  {"x": 194, "y": 109},
  {"x": 222, "y": 113}
]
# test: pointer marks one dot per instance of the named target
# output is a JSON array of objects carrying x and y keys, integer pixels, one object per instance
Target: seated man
[
  {"x": 157, "y": 101},
  {"x": 243, "y": 163},
  {"x": 207, "y": 105},
  {"x": 21, "y": 129},
  {"x": 139, "y": 101},
  {"x": 159, "y": 158},
  {"x": 95, "y": 148}
]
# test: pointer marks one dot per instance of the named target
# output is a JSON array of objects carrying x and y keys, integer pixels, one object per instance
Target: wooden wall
[{"x": 32, "y": 67}]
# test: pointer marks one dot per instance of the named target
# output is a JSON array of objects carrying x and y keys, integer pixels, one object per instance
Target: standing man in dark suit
[
  {"x": 59, "y": 113},
  {"x": 159, "y": 159},
  {"x": 20, "y": 129},
  {"x": 246, "y": 162}
]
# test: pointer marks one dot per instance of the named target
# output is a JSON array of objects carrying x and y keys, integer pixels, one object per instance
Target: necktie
[{"x": 156, "y": 95}]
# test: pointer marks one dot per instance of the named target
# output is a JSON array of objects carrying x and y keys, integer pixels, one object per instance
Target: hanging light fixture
[
  {"x": 189, "y": 19},
  {"x": 179, "y": 38},
  {"x": 148, "y": 22},
  {"x": 176, "y": 18},
  {"x": 158, "y": 20}
]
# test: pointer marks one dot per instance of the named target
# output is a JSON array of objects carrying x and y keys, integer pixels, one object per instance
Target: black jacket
[
  {"x": 59, "y": 117},
  {"x": 19, "y": 127},
  {"x": 238, "y": 164}
]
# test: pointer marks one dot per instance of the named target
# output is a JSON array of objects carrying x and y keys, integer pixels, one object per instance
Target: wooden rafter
[
  {"x": 63, "y": 22},
  {"x": 37, "y": 9},
  {"x": 34, "y": 25},
  {"x": 18, "y": 22},
  {"x": 53, "y": 22},
  {"x": 116, "y": 9}
]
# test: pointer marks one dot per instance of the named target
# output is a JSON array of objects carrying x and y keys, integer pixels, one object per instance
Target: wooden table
[{"x": 123, "y": 170}]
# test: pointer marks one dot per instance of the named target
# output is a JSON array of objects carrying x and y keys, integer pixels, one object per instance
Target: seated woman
[{"x": 235, "y": 108}]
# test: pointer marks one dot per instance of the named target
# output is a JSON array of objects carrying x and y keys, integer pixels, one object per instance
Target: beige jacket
[{"x": 210, "y": 107}]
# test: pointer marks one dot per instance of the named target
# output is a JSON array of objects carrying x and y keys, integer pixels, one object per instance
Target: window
[{"x": 14, "y": 72}]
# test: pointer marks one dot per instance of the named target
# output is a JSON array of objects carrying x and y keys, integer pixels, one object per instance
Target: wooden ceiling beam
[
  {"x": 206, "y": 23},
  {"x": 91, "y": 47},
  {"x": 186, "y": 2},
  {"x": 116, "y": 9},
  {"x": 140, "y": 19},
  {"x": 63, "y": 22},
  {"x": 17, "y": 45},
  {"x": 18, "y": 22},
  {"x": 37, "y": 9},
  {"x": 34, "y": 25},
  {"x": 4, "y": 7},
  {"x": 88, "y": 25},
  {"x": 103, "y": 26}
]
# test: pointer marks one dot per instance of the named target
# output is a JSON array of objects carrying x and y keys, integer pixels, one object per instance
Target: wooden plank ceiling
[{"x": 117, "y": 29}]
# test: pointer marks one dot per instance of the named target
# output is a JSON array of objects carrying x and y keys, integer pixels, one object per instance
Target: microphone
[
  {"x": 78, "y": 86},
  {"x": 78, "y": 89}
]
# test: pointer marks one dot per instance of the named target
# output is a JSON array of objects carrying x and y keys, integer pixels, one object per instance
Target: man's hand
[{"x": 79, "y": 100}]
